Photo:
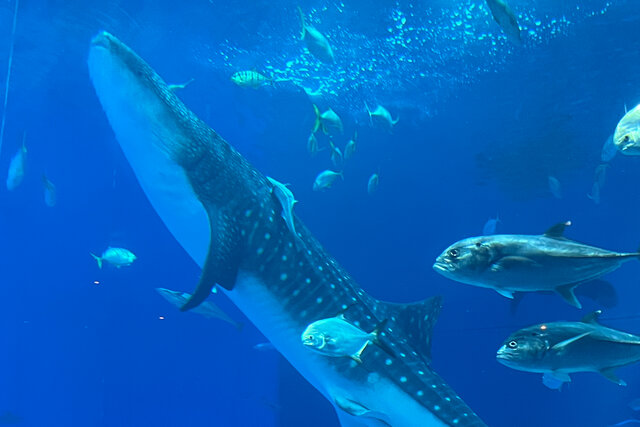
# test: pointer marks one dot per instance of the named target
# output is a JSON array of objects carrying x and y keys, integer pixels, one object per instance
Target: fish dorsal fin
[
  {"x": 557, "y": 231},
  {"x": 592, "y": 317},
  {"x": 563, "y": 344},
  {"x": 414, "y": 321}
]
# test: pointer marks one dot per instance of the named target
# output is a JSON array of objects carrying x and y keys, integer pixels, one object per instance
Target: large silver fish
[
  {"x": 626, "y": 137},
  {"x": 558, "y": 349},
  {"x": 505, "y": 17},
  {"x": 316, "y": 42},
  {"x": 223, "y": 213},
  {"x": 511, "y": 263}
]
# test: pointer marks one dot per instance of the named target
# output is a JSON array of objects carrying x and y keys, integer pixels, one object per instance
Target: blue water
[{"x": 483, "y": 123}]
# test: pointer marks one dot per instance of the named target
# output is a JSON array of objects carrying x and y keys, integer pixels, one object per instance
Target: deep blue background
[{"x": 477, "y": 137}]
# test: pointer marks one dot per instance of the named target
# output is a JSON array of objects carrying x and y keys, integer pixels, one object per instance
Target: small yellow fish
[{"x": 251, "y": 79}]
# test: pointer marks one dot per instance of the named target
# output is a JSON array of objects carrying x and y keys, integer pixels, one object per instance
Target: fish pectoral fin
[
  {"x": 356, "y": 358},
  {"x": 221, "y": 265},
  {"x": 563, "y": 344},
  {"x": 555, "y": 380},
  {"x": 357, "y": 409},
  {"x": 610, "y": 374},
  {"x": 505, "y": 293},
  {"x": 513, "y": 262},
  {"x": 566, "y": 292}
]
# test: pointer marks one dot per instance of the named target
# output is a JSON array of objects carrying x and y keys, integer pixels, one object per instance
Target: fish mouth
[
  {"x": 504, "y": 356},
  {"x": 442, "y": 266}
]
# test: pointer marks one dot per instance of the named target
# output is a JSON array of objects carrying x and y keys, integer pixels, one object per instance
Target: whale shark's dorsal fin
[
  {"x": 557, "y": 231},
  {"x": 592, "y": 317},
  {"x": 416, "y": 321},
  {"x": 221, "y": 265}
]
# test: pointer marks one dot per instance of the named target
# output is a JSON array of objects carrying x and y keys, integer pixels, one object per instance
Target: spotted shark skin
[{"x": 223, "y": 213}]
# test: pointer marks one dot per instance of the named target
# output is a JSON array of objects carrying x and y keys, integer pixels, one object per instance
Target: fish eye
[
  {"x": 478, "y": 244},
  {"x": 626, "y": 138},
  {"x": 453, "y": 253},
  {"x": 310, "y": 337},
  {"x": 512, "y": 344}
]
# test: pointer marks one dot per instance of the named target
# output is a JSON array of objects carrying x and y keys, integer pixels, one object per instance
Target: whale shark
[{"x": 223, "y": 213}]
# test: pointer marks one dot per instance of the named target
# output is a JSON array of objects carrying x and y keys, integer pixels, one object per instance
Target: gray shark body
[{"x": 224, "y": 214}]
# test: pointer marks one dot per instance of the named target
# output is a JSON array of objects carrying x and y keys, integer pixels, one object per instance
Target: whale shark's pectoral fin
[
  {"x": 221, "y": 265},
  {"x": 357, "y": 409},
  {"x": 610, "y": 374},
  {"x": 566, "y": 292}
]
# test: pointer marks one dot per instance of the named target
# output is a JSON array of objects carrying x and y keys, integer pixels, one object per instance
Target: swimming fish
[
  {"x": 221, "y": 211},
  {"x": 381, "y": 115},
  {"x": 325, "y": 179},
  {"x": 554, "y": 187},
  {"x": 206, "y": 309},
  {"x": 336, "y": 337},
  {"x": 50, "y": 194},
  {"x": 286, "y": 199},
  {"x": 490, "y": 226},
  {"x": 600, "y": 174},
  {"x": 627, "y": 134},
  {"x": 372, "y": 184},
  {"x": 316, "y": 43},
  {"x": 253, "y": 79},
  {"x": 505, "y": 17},
  {"x": 17, "y": 167},
  {"x": 595, "y": 193},
  {"x": 312, "y": 145},
  {"x": 558, "y": 349},
  {"x": 119, "y": 257},
  {"x": 176, "y": 87},
  {"x": 336, "y": 155},
  {"x": 264, "y": 346},
  {"x": 350, "y": 148},
  {"x": 328, "y": 121},
  {"x": 509, "y": 263},
  {"x": 609, "y": 150}
]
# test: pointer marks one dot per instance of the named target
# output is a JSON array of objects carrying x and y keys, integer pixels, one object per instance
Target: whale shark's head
[{"x": 160, "y": 137}]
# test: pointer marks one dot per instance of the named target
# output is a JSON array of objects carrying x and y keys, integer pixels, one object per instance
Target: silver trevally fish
[
  {"x": 372, "y": 184},
  {"x": 336, "y": 337},
  {"x": 329, "y": 121},
  {"x": 287, "y": 200},
  {"x": 119, "y": 257},
  {"x": 50, "y": 193},
  {"x": 336, "y": 155},
  {"x": 312, "y": 145},
  {"x": 350, "y": 147},
  {"x": 627, "y": 134},
  {"x": 17, "y": 167},
  {"x": 511, "y": 263},
  {"x": 382, "y": 116},
  {"x": 505, "y": 17},
  {"x": 206, "y": 309},
  {"x": 558, "y": 349},
  {"x": 317, "y": 43},
  {"x": 325, "y": 179}
]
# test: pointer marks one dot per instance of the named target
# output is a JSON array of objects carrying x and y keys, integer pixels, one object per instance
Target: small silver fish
[
  {"x": 176, "y": 87},
  {"x": 286, "y": 199},
  {"x": 325, "y": 179},
  {"x": 17, "y": 167},
  {"x": 595, "y": 193},
  {"x": 627, "y": 134},
  {"x": 264, "y": 346},
  {"x": 506, "y": 19},
  {"x": 555, "y": 187},
  {"x": 50, "y": 193},
  {"x": 119, "y": 257},
  {"x": 381, "y": 115},
  {"x": 328, "y": 121},
  {"x": 317, "y": 44},
  {"x": 206, "y": 309},
  {"x": 350, "y": 148},
  {"x": 372, "y": 185},
  {"x": 336, "y": 337},
  {"x": 336, "y": 155},
  {"x": 312, "y": 145}
]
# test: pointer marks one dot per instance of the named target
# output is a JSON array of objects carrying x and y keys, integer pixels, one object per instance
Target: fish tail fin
[
  {"x": 302, "y": 24},
  {"x": 317, "y": 123},
  {"x": 368, "y": 112},
  {"x": 98, "y": 260},
  {"x": 394, "y": 122},
  {"x": 341, "y": 175}
]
